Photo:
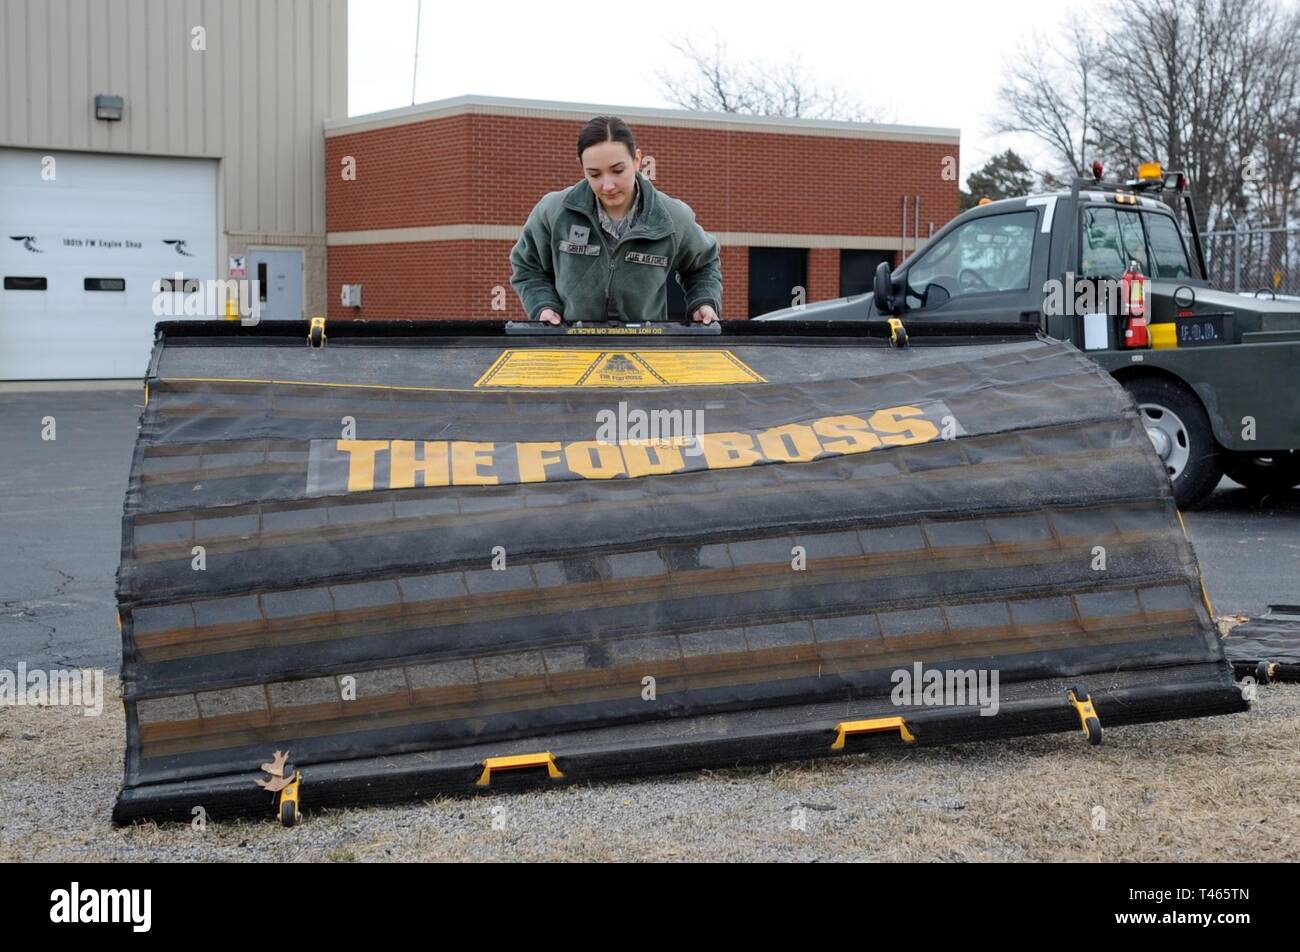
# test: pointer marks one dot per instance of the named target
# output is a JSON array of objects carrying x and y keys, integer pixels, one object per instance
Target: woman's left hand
[{"x": 705, "y": 314}]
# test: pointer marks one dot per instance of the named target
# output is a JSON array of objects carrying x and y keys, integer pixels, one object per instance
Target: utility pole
[{"x": 415, "y": 70}]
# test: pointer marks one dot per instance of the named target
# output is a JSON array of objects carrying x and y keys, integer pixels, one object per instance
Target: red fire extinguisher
[{"x": 1133, "y": 290}]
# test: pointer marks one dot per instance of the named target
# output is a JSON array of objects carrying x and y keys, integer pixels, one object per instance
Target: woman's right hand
[{"x": 550, "y": 316}]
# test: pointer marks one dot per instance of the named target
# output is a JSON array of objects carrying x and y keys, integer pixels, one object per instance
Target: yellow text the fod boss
[{"x": 364, "y": 465}]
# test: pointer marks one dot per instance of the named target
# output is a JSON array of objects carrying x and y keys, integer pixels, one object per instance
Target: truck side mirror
[{"x": 883, "y": 288}]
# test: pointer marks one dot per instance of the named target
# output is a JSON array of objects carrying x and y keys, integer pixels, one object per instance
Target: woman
[{"x": 603, "y": 249}]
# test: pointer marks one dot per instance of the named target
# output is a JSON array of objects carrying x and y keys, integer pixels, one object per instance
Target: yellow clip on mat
[
  {"x": 1088, "y": 718},
  {"x": 519, "y": 761},
  {"x": 876, "y": 725}
]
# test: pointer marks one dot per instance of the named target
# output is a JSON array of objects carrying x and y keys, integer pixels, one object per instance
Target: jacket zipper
[{"x": 609, "y": 279}]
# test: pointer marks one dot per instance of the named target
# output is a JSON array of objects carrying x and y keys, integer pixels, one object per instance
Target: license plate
[{"x": 1204, "y": 329}]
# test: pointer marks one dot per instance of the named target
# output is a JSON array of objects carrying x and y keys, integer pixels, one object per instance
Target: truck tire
[
  {"x": 1181, "y": 434},
  {"x": 1273, "y": 473}
]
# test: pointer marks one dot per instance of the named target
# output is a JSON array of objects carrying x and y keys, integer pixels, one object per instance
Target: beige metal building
[{"x": 144, "y": 138}]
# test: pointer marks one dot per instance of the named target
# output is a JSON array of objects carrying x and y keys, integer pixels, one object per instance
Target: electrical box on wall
[{"x": 351, "y": 295}]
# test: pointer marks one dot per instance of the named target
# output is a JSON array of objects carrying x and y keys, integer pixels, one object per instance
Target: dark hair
[{"x": 606, "y": 129}]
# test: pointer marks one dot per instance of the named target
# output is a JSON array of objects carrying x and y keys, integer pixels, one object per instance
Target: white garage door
[{"x": 84, "y": 241}]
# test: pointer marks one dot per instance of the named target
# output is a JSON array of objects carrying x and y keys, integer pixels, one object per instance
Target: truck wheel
[
  {"x": 1180, "y": 431},
  {"x": 1275, "y": 473}
]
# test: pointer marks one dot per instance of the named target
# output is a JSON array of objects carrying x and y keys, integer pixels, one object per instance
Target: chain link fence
[{"x": 1249, "y": 259}]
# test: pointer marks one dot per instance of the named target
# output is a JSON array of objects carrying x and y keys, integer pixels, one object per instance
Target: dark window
[
  {"x": 987, "y": 254},
  {"x": 858, "y": 270},
  {"x": 774, "y": 275},
  {"x": 1112, "y": 238},
  {"x": 1103, "y": 253},
  {"x": 173, "y": 286},
  {"x": 1135, "y": 239},
  {"x": 1169, "y": 255},
  {"x": 104, "y": 284},
  {"x": 261, "y": 281},
  {"x": 25, "y": 284}
]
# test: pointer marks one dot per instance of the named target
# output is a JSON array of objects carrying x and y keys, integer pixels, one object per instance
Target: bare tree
[
  {"x": 1273, "y": 181},
  {"x": 1198, "y": 89},
  {"x": 713, "y": 82},
  {"x": 1211, "y": 87},
  {"x": 1048, "y": 92}
]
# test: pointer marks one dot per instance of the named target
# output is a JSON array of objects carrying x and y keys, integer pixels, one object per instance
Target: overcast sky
[{"x": 922, "y": 62}]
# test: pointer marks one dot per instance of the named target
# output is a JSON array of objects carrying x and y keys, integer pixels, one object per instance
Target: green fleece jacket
[{"x": 564, "y": 261}]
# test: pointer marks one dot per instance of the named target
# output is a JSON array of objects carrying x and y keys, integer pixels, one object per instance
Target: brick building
[{"x": 423, "y": 204}]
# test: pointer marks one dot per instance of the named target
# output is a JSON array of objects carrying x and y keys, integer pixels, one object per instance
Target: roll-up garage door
[{"x": 85, "y": 240}]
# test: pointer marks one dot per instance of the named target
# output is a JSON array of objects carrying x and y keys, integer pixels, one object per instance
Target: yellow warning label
[
  {"x": 552, "y": 368},
  {"x": 616, "y": 368}
]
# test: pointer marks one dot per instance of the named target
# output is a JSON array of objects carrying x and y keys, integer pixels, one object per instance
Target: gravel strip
[{"x": 1221, "y": 788}]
